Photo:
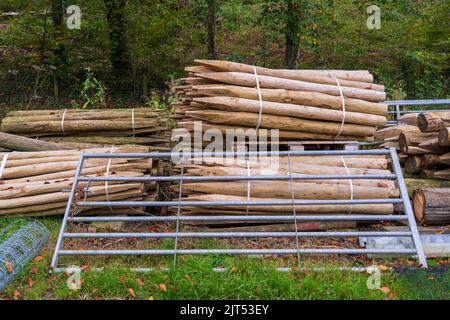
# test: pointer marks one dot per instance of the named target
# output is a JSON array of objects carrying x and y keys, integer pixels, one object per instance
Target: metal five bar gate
[
  {"x": 396, "y": 108},
  {"x": 407, "y": 217}
]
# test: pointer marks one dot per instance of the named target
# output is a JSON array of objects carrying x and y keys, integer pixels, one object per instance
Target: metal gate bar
[
  {"x": 397, "y": 175},
  {"x": 399, "y": 104}
]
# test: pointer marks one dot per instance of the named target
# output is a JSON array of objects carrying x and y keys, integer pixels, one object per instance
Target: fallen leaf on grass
[
  {"x": 38, "y": 259},
  {"x": 163, "y": 287},
  {"x": 17, "y": 294},
  {"x": 85, "y": 268},
  {"x": 385, "y": 290},
  {"x": 382, "y": 267},
  {"x": 140, "y": 281},
  {"x": 431, "y": 278},
  {"x": 150, "y": 298},
  {"x": 33, "y": 269},
  {"x": 392, "y": 296},
  {"x": 9, "y": 267},
  {"x": 122, "y": 279},
  {"x": 30, "y": 282},
  {"x": 131, "y": 292}
]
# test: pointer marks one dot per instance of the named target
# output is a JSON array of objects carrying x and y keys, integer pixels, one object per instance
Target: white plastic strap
[
  {"x": 260, "y": 99},
  {"x": 350, "y": 182},
  {"x": 62, "y": 121},
  {"x": 343, "y": 105},
  {"x": 3, "y": 164},
  {"x": 106, "y": 175},
  {"x": 249, "y": 174},
  {"x": 133, "y": 123}
]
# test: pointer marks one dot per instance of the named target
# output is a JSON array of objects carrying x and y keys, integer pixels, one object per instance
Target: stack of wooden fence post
[
  {"x": 301, "y": 104},
  {"x": 276, "y": 190},
  {"x": 80, "y": 129},
  {"x": 423, "y": 142},
  {"x": 37, "y": 183}
]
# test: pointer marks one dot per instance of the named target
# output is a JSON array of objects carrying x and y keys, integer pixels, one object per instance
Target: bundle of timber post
[
  {"x": 432, "y": 206},
  {"x": 301, "y": 104},
  {"x": 37, "y": 183},
  {"x": 81, "y": 129},
  {"x": 423, "y": 147},
  {"x": 286, "y": 190}
]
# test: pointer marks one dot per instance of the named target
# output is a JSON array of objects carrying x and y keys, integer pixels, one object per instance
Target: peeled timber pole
[
  {"x": 14, "y": 142},
  {"x": 314, "y": 99},
  {"x": 248, "y": 80}
]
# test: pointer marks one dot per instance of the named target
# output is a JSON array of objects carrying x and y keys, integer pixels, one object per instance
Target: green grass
[{"x": 244, "y": 278}]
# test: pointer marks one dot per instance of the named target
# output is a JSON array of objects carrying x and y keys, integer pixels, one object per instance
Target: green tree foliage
[{"x": 146, "y": 42}]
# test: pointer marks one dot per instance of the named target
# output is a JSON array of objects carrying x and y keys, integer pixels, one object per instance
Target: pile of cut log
[
  {"x": 81, "y": 129},
  {"x": 301, "y": 104},
  {"x": 423, "y": 142},
  {"x": 277, "y": 190},
  {"x": 37, "y": 183},
  {"x": 432, "y": 206}
]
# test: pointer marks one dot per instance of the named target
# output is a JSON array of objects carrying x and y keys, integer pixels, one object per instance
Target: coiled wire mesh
[{"x": 19, "y": 249}]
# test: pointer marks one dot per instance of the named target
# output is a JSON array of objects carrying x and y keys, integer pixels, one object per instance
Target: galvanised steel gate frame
[
  {"x": 398, "y": 110},
  {"x": 397, "y": 175}
]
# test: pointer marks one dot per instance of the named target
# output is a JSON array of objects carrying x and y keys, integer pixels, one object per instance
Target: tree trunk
[
  {"x": 59, "y": 51},
  {"x": 117, "y": 22},
  {"x": 292, "y": 53},
  {"x": 212, "y": 8}
]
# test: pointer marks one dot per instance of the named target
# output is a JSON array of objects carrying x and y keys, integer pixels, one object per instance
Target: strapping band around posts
[
  {"x": 260, "y": 99},
  {"x": 350, "y": 181},
  {"x": 343, "y": 105},
  {"x": 3, "y": 164},
  {"x": 133, "y": 123},
  {"x": 62, "y": 122},
  {"x": 107, "y": 174}
]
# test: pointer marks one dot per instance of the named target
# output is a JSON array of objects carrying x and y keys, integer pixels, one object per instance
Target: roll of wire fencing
[{"x": 19, "y": 248}]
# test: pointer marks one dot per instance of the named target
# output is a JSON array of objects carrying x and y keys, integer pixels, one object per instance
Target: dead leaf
[
  {"x": 150, "y": 298},
  {"x": 38, "y": 259},
  {"x": 140, "y": 281},
  {"x": 296, "y": 269},
  {"x": 187, "y": 277},
  {"x": 122, "y": 279},
  {"x": 392, "y": 296},
  {"x": 17, "y": 294},
  {"x": 382, "y": 267},
  {"x": 30, "y": 282},
  {"x": 33, "y": 269},
  {"x": 85, "y": 268},
  {"x": 9, "y": 267},
  {"x": 163, "y": 287},
  {"x": 431, "y": 278},
  {"x": 131, "y": 292},
  {"x": 385, "y": 290}
]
